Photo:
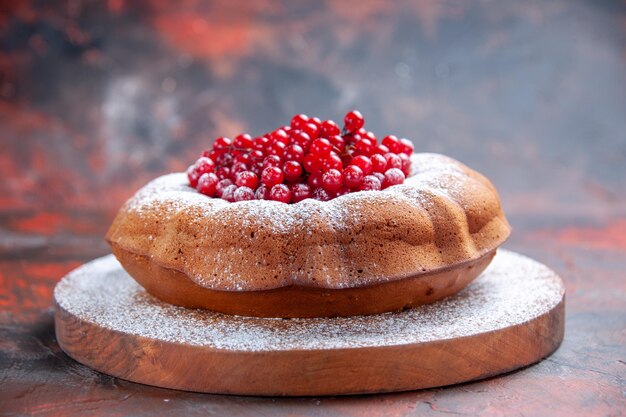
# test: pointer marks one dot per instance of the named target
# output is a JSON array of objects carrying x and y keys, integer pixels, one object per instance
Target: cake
[{"x": 364, "y": 251}]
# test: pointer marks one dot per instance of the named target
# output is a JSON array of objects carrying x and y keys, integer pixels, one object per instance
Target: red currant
[
  {"x": 312, "y": 163},
  {"x": 354, "y": 121},
  {"x": 363, "y": 162},
  {"x": 221, "y": 186},
  {"x": 315, "y": 180},
  {"x": 222, "y": 172},
  {"x": 229, "y": 193},
  {"x": 280, "y": 192},
  {"x": 222, "y": 143},
  {"x": 312, "y": 130},
  {"x": 192, "y": 176},
  {"x": 406, "y": 164},
  {"x": 207, "y": 184},
  {"x": 393, "y": 176},
  {"x": 279, "y": 135},
  {"x": 300, "y": 138},
  {"x": 364, "y": 147},
  {"x": 407, "y": 146},
  {"x": 243, "y": 141},
  {"x": 332, "y": 161},
  {"x": 292, "y": 170},
  {"x": 299, "y": 120},
  {"x": 272, "y": 176},
  {"x": 262, "y": 193},
  {"x": 271, "y": 161},
  {"x": 243, "y": 194},
  {"x": 300, "y": 192},
  {"x": 247, "y": 179},
  {"x": 379, "y": 163},
  {"x": 338, "y": 143},
  {"x": 393, "y": 161},
  {"x": 260, "y": 143},
  {"x": 294, "y": 153},
  {"x": 321, "y": 194},
  {"x": 352, "y": 176},
  {"x": 321, "y": 147},
  {"x": 370, "y": 183},
  {"x": 329, "y": 128},
  {"x": 392, "y": 143},
  {"x": 331, "y": 180}
]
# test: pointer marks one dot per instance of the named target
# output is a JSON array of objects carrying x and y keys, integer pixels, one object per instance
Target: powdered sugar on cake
[{"x": 513, "y": 290}]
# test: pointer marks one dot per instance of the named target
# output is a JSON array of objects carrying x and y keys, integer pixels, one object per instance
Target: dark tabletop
[{"x": 96, "y": 98}]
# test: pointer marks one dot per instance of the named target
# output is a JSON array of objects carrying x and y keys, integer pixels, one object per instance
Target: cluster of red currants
[{"x": 309, "y": 158}]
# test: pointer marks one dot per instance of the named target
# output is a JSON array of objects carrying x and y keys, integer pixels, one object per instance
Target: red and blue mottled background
[{"x": 96, "y": 98}]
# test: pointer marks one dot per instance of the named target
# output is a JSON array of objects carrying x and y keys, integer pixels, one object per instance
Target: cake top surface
[{"x": 514, "y": 289}]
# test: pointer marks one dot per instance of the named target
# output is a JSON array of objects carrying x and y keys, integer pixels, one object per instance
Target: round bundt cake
[{"x": 360, "y": 253}]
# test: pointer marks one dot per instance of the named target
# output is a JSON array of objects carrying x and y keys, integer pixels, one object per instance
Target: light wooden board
[{"x": 510, "y": 317}]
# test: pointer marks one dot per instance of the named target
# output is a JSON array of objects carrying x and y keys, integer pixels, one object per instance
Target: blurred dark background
[{"x": 98, "y": 97}]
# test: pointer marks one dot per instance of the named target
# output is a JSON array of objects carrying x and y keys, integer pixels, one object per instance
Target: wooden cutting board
[{"x": 510, "y": 317}]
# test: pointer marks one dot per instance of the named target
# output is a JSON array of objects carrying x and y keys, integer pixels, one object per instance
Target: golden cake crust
[{"x": 444, "y": 214}]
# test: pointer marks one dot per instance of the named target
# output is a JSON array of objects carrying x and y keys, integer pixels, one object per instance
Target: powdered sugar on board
[{"x": 514, "y": 289}]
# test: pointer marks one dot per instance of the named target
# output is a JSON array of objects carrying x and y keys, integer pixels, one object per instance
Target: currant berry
[
  {"x": 407, "y": 147},
  {"x": 192, "y": 176},
  {"x": 221, "y": 186},
  {"x": 204, "y": 165},
  {"x": 331, "y": 180},
  {"x": 277, "y": 148},
  {"x": 381, "y": 149},
  {"x": 207, "y": 184},
  {"x": 260, "y": 143},
  {"x": 354, "y": 121},
  {"x": 300, "y": 192},
  {"x": 242, "y": 158},
  {"x": 229, "y": 193},
  {"x": 379, "y": 163},
  {"x": 321, "y": 194},
  {"x": 247, "y": 179},
  {"x": 243, "y": 194},
  {"x": 280, "y": 192},
  {"x": 222, "y": 172},
  {"x": 292, "y": 170},
  {"x": 222, "y": 143},
  {"x": 363, "y": 162},
  {"x": 329, "y": 128},
  {"x": 294, "y": 153},
  {"x": 406, "y": 164},
  {"x": 352, "y": 176},
  {"x": 364, "y": 147},
  {"x": 370, "y": 183},
  {"x": 338, "y": 143},
  {"x": 312, "y": 130},
  {"x": 392, "y": 142},
  {"x": 312, "y": 163},
  {"x": 315, "y": 180},
  {"x": 300, "y": 138},
  {"x": 271, "y": 161},
  {"x": 332, "y": 161},
  {"x": 393, "y": 161},
  {"x": 279, "y": 135},
  {"x": 320, "y": 147},
  {"x": 379, "y": 175},
  {"x": 262, "y": 193},
  {"x": 343, "y": 191},
  {"x": 272, "y": 176},
  {"x": 299, "y": 120},
  {"x": 243, "y": 141},
  {"x": 393, "y": 176}
]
